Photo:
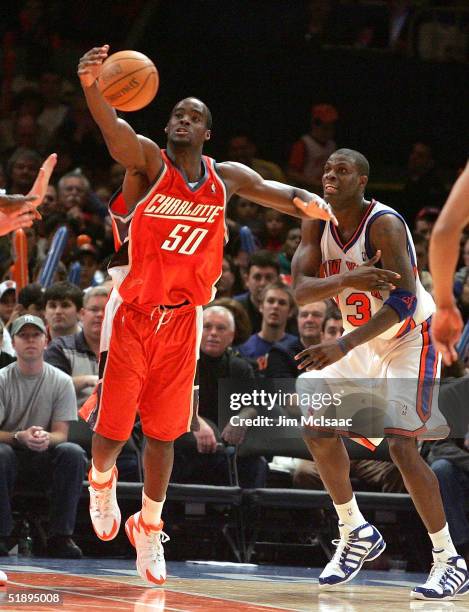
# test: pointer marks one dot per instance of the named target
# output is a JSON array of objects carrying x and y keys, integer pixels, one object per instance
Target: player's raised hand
[
  {"x": 368, "y": 278},
  {"x": 446, "y": 328},
  {"x": 89, "y": 65},
  {"x": 316, "y": 208},
  {"x": 38, "y": 190}
]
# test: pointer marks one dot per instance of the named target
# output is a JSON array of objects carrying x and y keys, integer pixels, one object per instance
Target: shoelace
[
  {"x": 155, "y": 540},
  {"x": 103, "y": 502},
  {"x": 340, "y": 552},
  {"x": 437, "y": 574}
]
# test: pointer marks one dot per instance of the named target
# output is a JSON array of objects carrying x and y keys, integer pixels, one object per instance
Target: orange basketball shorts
[{"x": 148, "y": 365}]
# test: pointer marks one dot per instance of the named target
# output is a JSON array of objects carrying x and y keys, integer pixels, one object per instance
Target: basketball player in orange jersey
[
  {"x": 444, "y": 254},
  {"x": 386, "y": 317},
  {"x": 169, "y": 217}
]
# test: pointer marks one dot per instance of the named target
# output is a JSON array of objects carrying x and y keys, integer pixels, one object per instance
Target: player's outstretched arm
[
  {"x": 287, "y": 199},
  {"x": 309, "y": 286},
  {"x": 128, "y": 149},
  {"x": 447, "y": 322}
]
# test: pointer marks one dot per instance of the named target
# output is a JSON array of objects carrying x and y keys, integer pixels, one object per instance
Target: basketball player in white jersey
[{"x": 386, "y": 319}]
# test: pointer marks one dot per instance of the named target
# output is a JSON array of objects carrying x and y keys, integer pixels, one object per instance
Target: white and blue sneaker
[
  {"x": 447, "y": 578},
  {"x": 365, "y": 543}
]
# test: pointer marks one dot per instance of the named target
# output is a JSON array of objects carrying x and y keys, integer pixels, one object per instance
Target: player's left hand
[
  {"x": 319, "y": 356},
  {"x": 316, "y": 208},
  {"x": 446, "y": 328}
]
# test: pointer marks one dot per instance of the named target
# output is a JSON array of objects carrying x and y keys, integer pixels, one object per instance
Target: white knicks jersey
[{"x": 357, "y": 307}]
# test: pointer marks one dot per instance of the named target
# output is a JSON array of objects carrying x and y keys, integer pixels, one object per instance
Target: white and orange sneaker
[
  {"x": 104, "y": 510},
  {"x": 148, "y": 541}
]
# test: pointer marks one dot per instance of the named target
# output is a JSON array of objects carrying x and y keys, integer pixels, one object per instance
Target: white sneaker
[
  {"x": 365, "y": 543},
  {"x": 447, "y": 578},
  {"x": 104, "y": 510},
  {"x": 148, "y": 541}
]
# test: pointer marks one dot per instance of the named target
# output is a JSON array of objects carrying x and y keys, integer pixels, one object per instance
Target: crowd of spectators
[{"x": 252, "y": 329}]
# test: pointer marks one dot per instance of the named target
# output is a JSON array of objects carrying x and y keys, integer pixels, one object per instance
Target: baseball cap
[
  {"x": 27, "y": 320},
  {"x": 7, "y": 285},
  {"x": 326, "y": 113}
]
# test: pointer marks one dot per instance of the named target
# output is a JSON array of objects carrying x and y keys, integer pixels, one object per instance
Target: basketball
[{"x": 128, "y": 80}]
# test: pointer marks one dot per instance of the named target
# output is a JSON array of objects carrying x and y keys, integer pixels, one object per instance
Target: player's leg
[
  {"x": 359, "y": 540},
  {"x": 111, "y": 411},
  {"x": 420, "y": 482},
  {"x": 166, "y": 409},
  {"x": 449, "y": 575},
  {"x": 415, "y": 357}
]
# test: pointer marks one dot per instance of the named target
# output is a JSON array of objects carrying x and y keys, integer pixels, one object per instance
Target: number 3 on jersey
[
  {"x": 363, "y": 305},
  {"x": 191, "y": 242}
]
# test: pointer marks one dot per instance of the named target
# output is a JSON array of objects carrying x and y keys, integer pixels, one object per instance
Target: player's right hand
[
  {"x": 89, "y": 65},
  {"x": 446, "y": 328},
  {"x": 368, "y": 278}
]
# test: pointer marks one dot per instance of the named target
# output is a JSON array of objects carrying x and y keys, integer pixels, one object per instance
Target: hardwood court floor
[{"x": 112, "y": 584}]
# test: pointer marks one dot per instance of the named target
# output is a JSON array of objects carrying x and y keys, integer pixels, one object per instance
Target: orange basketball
[{"x": 128, "y": 80}]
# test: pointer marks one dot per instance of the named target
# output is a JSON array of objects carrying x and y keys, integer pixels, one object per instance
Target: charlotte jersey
[
  {"x": 357, "y": 307},
  {"x": 170, "y": 245}
]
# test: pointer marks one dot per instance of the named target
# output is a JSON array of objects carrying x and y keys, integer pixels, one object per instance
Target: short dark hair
[
  {"x": 32, "y": 294},
  {"x": 208, "y": 114},
  {"x": 263, "y": 259},
  {"x": 65, "y": 291},
  {"x": 356, "y": 158}
]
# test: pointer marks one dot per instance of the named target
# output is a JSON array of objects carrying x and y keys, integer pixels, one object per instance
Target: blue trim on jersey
[
  {"x": 428, "y": 380},
  {"x": 322, "y": 227},
  {"x": 356, "y": 235},
  {"x": 380, "y": 213}
]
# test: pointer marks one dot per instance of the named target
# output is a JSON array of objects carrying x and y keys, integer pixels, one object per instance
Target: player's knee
[
  {"x": 403, "y": 451},
  {"x": 159, "y": 444}
]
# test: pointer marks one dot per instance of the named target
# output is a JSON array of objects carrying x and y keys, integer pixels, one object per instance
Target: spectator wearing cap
[
  {"x": 64, "y": 301},
  {"x": 7, "y": 299},
  {"x": 309, "y": 154},
  {"x": 37, "y": 403}
]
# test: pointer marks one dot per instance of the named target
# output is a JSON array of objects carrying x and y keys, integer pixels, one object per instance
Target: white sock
[
  {"x": 443, "y": 543},
  {"x": 151, "y": 510},
  {"x": 350, "y": 515},
  {"x": 100, "y": 477}
]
